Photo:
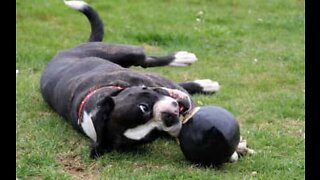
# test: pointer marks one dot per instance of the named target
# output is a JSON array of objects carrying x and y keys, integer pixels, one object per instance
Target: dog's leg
[
  {"x": 180, "y": 58},
  {"x": 123, "y": 55},
  {"x": 201, "y": 86},
  {"x": 127, "y": 55}
]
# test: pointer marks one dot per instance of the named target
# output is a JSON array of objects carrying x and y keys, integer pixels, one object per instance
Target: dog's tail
[{"x": 93, "y": 17}]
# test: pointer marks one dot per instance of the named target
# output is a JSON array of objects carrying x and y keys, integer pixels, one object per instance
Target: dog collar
[
  {"x": 189, "y": 115},
  {"x": 87, "y": 97}
]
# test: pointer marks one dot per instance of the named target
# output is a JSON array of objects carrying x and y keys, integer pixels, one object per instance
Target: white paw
[
  {"x": 234, "y": 157},
  {"x": 208, "y": 85},
  {"x": 183, "y": 58}
]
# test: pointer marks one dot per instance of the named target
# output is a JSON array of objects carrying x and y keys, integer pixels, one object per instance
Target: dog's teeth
[{"x": 181, "y": 109}]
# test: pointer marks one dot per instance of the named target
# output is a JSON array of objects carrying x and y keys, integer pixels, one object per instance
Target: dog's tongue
[{"x": 181, "y": 108}]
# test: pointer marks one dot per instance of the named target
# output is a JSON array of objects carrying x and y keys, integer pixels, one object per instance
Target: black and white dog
[{"x": 91, "y": 86}]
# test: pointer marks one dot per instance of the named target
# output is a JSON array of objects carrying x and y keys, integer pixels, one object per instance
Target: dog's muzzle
[
  {"x": 166, "y": 112},
  {"x": 166, "y": 115}
]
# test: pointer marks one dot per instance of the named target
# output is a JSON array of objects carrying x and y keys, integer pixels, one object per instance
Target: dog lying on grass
[{"x": 91, "y": 86}]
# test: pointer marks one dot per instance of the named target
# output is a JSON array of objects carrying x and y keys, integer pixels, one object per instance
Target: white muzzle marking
[
  {"x": 141, "y": 131},
  {"x": 166, "y": 104}
]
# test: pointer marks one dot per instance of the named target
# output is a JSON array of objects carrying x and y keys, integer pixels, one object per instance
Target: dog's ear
[{"x": 105, "y": 105}]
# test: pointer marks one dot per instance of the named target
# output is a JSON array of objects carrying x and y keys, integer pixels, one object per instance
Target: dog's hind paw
[
  {"x": 183, "y": 58},
  {"x": 243, "y": 148}
]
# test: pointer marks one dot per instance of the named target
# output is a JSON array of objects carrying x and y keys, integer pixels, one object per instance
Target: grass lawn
[{"x": 255, "y": 49}]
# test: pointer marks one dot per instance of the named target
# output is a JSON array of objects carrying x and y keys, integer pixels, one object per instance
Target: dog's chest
[{"x": 88, "y": 127}]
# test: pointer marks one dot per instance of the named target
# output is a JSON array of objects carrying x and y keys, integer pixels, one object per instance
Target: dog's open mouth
[
  {"x": 182, "y": 109},
  {"x": 184, "y": 106},
  {"x": 182, "y": 98}
]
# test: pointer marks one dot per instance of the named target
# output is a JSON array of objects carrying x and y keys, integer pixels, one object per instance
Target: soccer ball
[{"x": 209, "y": 136}]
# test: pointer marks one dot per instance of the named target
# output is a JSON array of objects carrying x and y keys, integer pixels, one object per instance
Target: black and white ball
[{"x": 210, "y": 136}]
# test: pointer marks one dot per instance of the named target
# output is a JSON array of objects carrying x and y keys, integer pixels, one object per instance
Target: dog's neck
[
  {"x": 87, "y": 110},
  {"x": 89, "y": 94}
]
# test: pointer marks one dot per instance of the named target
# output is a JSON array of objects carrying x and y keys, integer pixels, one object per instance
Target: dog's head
[{"x": 137, "y": 111}]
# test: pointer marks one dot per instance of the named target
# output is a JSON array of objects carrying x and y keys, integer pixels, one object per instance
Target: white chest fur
[{"x": 88, "y": 126}]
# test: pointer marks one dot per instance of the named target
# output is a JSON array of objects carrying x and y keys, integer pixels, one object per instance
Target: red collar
[{"x": 87, "y": 97}]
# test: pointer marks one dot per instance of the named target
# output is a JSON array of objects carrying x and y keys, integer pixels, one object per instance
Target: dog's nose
[
  {"x": 169, "y": 119},
  {"x": 174, "y": 104},
  {"x": 167, "y": 104}
]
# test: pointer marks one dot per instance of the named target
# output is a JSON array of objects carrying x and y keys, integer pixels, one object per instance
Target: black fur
[{"x": 74, "y": 72}]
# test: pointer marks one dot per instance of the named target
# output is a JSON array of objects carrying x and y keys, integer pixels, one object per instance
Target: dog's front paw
[
  {"x": 96, "y": 151},
  {"x": 183, "y": 58},
  {"x": 207, "y": 85}
]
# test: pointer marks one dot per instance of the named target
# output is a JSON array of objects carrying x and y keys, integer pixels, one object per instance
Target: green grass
[{"x": 255, "y": 49}]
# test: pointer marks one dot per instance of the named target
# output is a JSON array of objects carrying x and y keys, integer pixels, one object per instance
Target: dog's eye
[{"x": 144, "y": 108}]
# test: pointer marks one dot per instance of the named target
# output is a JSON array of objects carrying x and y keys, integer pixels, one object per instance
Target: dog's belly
[{"x": 65, "y": 81}]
